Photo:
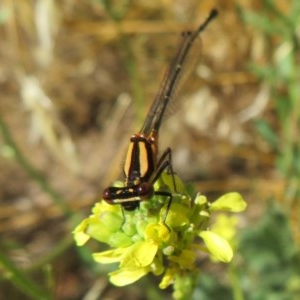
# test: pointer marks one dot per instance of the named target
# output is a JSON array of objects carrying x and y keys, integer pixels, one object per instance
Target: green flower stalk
[{"x": 165, "y": 243}]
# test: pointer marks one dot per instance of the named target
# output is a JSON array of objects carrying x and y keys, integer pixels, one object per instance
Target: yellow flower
[
  {"x": 233, "y": 202},
  {"x": 226, "y": 227},
  {"x": 217, "y": 246},
  {"x": 124, "y": 277},
  {"x": 157, "y": 233},
  {"x": 135, "y": 261},
  {"x": 79, "y": 233},
  {"x": 154, "y": 239},
  {"x": 168, "y": 278}
]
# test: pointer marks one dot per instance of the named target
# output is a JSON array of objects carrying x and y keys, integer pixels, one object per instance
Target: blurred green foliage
[
  {"x": 281, "y": 71},
  {"x": 267, "y": 265},
  {"x": 268, "y": 262}
]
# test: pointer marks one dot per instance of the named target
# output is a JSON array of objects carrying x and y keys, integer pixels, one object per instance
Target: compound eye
[
  {"x": 145, "y": 190},
  {"x": 107, "y": 195}
]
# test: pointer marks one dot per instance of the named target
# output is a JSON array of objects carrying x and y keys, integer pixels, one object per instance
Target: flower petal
[
  {"x": 79, "y": 233},
  {"x": 168, "y": 278},
  {"x": 217, "y": 246},
  {"x": 157, "y": 233},
  {"x": 81, "y": 238},
  {"x": 124, "y": 277},
  {"x": 140, "y": 255},
  {"x": 110, "y": 256},
  {"x": 233, "y": 202}
]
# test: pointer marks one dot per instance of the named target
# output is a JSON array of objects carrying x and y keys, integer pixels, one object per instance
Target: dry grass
[{"x": 70, "y": 103}]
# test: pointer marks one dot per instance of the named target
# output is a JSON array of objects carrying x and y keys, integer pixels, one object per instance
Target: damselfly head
[{"x": 126, "y": 195}]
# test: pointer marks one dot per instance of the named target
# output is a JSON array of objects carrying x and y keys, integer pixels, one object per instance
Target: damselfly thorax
[
  {"x": 141, "y": 171},
  {"x": 141, "y": 159},
  {"x": 142, "y": 167}
]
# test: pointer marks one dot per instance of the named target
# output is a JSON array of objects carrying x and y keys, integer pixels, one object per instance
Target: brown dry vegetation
[{"x": 70, "y": 79}]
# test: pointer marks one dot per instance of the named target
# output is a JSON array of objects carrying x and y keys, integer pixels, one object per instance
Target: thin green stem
[
  {"x": 21, "y": 280},
  {"x": 31, "y": 171},
  {"x": 46, "y": 187},
  {"x": 234, "y": 278}
]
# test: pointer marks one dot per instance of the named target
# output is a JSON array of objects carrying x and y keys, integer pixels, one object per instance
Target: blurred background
[{"x": 76, "y": 80}]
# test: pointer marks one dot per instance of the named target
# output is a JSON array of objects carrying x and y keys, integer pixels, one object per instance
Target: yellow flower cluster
[{"x": 151, "y": 239}]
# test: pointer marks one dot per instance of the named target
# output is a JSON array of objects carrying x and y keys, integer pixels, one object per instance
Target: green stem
[
  {"x": 21, "y": 280},
  {"x": 31, "y": 171},
  {"x": 46, "y": 187},
  {"x": 236, "y": 289}
]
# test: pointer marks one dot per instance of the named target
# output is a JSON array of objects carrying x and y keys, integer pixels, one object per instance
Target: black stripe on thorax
[{"x": 139, "y": 163}]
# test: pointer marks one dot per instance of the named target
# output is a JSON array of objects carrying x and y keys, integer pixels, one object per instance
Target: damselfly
[{"x": 142, "y": 168}]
